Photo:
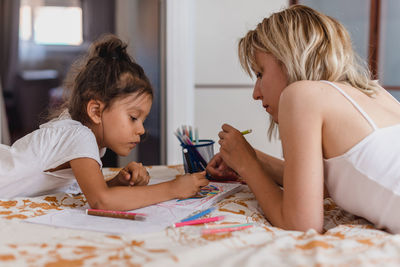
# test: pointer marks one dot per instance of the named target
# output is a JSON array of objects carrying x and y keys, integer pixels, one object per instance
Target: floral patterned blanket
[{"x": 348, "y": 240}]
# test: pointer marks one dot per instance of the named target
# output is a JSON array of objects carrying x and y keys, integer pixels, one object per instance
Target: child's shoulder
[
  {"x": 65, "y": 127},
  {"x": 64, "y": 122}
]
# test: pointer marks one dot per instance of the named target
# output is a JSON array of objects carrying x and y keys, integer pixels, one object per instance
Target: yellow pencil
[{"x": 246, "y": 131}]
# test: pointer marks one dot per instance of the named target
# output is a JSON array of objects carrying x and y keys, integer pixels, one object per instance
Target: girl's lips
[{"x": 133, "y": 144}]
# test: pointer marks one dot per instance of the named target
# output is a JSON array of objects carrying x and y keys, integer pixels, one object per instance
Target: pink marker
[
  {"x": 199, "y": 221},
  {"x": 224, "y": 230}
]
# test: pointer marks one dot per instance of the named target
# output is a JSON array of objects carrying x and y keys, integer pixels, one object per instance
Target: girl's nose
[
  {"x": 256, "y": 90},
  {"x": 140, "y": 130}
]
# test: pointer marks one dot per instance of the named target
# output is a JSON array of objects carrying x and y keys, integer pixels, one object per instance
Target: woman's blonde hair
[{"x": 310, "y": 46}]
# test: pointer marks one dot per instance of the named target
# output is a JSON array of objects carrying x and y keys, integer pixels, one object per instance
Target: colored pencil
[
  {"x": 191, "y": 133},
  {"x": 116, "y": 214},
  {"x": 196, "y": 136},
  {"x": 220, "y": 226},
  {"x": 199, "y": 221},
  {"x": 198, "y": 215},
  {"x": 246, "y": 131}
]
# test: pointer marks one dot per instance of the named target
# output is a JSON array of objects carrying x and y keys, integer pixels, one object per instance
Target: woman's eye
[
  {"x": 133, "y": 118},
  {"x": 258, "y": 75}
]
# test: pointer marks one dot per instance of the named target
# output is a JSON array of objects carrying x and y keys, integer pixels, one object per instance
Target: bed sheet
[{"x": 348, "y": 240}]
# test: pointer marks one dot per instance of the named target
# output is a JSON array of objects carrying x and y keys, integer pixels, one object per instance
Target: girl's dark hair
[{"x": 106, "y": 73}]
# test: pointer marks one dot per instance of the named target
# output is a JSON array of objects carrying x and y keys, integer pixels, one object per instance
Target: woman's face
[{"x": 271, "y": 80}]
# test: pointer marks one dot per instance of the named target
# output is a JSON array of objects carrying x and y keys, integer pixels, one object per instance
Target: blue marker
[{"x": 198, "y": 215}]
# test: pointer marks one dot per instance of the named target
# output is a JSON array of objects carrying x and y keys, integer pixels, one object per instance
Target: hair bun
[{"x": 111, "y": 48}]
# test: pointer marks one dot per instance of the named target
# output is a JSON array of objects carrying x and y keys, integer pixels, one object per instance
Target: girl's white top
[
  {"x": 365, "y": 180},
  {"x": 23, "y": 165}
]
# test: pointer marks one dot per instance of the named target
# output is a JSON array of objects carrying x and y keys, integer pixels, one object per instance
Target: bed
[{"x": 348, "y": 240}]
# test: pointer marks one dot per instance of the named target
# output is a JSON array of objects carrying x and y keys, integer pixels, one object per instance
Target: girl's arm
[{"x": 100, "y": 196}]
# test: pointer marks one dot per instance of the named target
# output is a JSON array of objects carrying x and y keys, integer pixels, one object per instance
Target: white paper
[{"x": 160, "y": 216}]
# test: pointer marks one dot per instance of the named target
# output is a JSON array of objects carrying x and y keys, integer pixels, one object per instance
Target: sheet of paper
[{"x": 159, "y": 216}]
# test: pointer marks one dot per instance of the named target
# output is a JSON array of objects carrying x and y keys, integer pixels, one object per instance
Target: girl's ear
[{"x": 94, "y": 109}]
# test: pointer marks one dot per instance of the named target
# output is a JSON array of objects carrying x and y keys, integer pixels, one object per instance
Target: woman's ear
[{"x": 94, "y": 109}]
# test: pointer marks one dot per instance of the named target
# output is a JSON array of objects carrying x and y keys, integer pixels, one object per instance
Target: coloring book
[{"x": 159, "y": 216}]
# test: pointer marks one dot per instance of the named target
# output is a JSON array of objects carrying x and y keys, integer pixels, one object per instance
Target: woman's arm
[
  {"x": 300, "y": 205},
  {"x": 301, "y": 117},
  {"x": 100, "y": 196},
  {"x": 272, "y": 166},
  {"x": 217, "y": 168}
]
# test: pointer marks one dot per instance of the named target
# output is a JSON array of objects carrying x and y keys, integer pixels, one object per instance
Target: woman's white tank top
[{"x": 365, "y": 180}]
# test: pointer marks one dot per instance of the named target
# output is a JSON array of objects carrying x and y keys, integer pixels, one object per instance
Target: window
[
  {"x": 374, "y": 28},
  {"x": 51, "y": 22}
]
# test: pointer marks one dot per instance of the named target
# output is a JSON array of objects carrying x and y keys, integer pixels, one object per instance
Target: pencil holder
[{"x": 196, "y": 156}]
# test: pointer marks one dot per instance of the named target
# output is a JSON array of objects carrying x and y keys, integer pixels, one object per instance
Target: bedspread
[{"x": 348, "y": 240}]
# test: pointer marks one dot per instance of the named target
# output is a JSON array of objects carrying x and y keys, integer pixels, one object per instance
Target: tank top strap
[{"x": 363, "y": 113}]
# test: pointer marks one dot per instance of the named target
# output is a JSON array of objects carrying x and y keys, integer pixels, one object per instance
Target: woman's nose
[{"x": 256, "y": 90}]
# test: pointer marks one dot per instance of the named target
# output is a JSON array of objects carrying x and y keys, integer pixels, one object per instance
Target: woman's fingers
[{"x": 227, "y": 128}]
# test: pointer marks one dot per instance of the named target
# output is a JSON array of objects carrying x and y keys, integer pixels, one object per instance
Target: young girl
[
  {"x": 109, "y": 100},
  {"x": 339, "y": 129}
]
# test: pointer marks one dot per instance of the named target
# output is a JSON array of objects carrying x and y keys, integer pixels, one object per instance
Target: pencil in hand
[{"x": 246, "y": 131}]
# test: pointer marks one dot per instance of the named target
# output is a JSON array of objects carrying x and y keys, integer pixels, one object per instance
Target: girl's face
[
  {"x": 123, "y": 123},
  {"x": 271, "y": 80}
]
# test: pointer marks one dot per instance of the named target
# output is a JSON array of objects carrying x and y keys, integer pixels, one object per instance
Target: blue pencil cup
[{"x": 196, "y": 157}]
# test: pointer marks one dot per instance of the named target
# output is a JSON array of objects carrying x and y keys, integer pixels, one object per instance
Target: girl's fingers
[
  {"x": 204, "y": 182},
  {"x": 134, "y": 179},
  {"x": 125, "y": 174}
]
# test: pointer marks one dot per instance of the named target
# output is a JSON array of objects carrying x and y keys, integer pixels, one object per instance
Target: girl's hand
[
  {"x": 235, "y": 151},
  {"x": 218, "y": 169},
  {"x": 188, "y": 185},
  {"x": 134, "y": 174}
]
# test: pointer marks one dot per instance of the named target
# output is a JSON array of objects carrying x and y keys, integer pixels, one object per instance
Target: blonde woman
[{"x": 339, "y": 129}]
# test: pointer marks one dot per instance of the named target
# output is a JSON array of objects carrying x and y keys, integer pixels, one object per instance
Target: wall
[
  {"x": 138, "y": 23},
  {"x": 223, "y": 91}
]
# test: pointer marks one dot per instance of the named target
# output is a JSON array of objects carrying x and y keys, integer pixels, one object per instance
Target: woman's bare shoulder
[
  {"x": 304, "y": 88},
  {"x": 304, "y": 94}
]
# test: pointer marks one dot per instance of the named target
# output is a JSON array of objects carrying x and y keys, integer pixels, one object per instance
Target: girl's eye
[
  {"x": 258, "y": 75},
  {"x": 133, "y": 118}
]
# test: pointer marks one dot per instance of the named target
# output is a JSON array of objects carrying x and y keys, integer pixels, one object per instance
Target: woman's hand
[
  {"x": 133, "y": 174},
  {"x": 218, "y": 169},
  {"x": 188, "y": 185},
  {"x": 235, "y": 151}
]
